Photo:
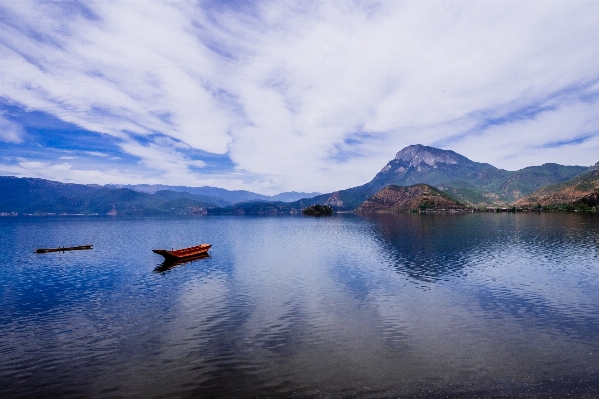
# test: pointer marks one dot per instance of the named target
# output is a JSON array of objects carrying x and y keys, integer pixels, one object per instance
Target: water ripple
[{"x": 409, "y": 305}]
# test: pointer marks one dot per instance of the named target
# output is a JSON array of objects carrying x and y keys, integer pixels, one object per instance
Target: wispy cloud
[
  {"x": 317, "y": 96},
  {"x": 10, "y": 132},
  {"x": 575, "y": 140}
]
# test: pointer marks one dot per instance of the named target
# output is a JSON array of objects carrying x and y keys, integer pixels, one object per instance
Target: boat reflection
[{"x": 167, "y": 265}]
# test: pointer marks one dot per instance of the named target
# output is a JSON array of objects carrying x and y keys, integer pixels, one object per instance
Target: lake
[{"x": 437, "y": 305}]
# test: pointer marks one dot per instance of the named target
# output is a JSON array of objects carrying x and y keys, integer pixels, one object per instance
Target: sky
[{"x": 274, "y": 96}]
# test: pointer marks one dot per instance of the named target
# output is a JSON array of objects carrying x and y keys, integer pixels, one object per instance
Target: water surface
[{"x": 475, "y": 305}]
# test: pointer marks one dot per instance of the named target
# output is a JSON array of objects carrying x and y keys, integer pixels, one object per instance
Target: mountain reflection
[{"x": 431, "y": 247}]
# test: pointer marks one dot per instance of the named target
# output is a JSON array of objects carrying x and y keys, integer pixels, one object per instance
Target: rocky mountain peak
[{"x": 418, "y": 154}]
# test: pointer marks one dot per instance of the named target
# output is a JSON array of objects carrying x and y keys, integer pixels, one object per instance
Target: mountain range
[
  {"x": 474, "y": 183},
  {"x": 228, "y": 196},
  {"x": 440, "y": 175},
  {"x": 39, "y": 196}
]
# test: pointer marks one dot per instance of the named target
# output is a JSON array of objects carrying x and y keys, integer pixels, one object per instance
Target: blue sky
[{"x": 275, "y": 96}]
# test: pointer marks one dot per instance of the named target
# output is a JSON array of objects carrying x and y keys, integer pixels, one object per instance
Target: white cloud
[
  {"x": 84, "y": 171},
  {"x": 139, "y": 69},
  {"x": 285, "y": 87},
  {"x": 65, "y": 172},
  {"x": 10, "y": 132},
  {"x": 568, "y": 135}
]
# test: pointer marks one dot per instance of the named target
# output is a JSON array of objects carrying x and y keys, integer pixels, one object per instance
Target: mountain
[
  {"x": 216, "y": 194},
  {"x": 39, "y": 196},
  {"x": 582, "y": 190},
  {"x": 474, "y": 183},
  {"x": 409, "y": 198}
]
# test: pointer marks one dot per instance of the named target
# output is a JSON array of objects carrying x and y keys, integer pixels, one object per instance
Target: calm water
[{"x": 475, "y": 305}]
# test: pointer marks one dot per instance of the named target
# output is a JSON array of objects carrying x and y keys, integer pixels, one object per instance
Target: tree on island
[{"x": 318, "y": 210}]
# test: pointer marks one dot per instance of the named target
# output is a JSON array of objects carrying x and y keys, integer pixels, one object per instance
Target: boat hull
[{"x": 185, "y": 253}]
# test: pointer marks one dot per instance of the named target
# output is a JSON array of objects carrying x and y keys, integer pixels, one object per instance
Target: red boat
[{"x": 184, "y": 253}]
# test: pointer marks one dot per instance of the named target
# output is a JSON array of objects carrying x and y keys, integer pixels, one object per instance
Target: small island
[{"x": 318, "y": 210}]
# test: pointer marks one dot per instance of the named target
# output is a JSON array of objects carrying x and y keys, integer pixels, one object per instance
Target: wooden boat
[
  {"x": 184, "y": 253},
  {"x": 62, "y": 249}
]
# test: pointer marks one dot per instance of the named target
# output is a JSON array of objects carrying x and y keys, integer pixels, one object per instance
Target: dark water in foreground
[{"x": 476, "y": 305}]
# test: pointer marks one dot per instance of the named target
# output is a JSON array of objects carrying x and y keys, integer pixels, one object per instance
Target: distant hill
[
  {"x": 258, "y": 208},
  {"x": 409, "y": 198},
  {"x": 169, "y": 195},
  {"x": 39, "y": 196},
  {"x": 470, "y": 182},
  {"x": 581, "y": 190},
  {"x": 220, "y": 195}
]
